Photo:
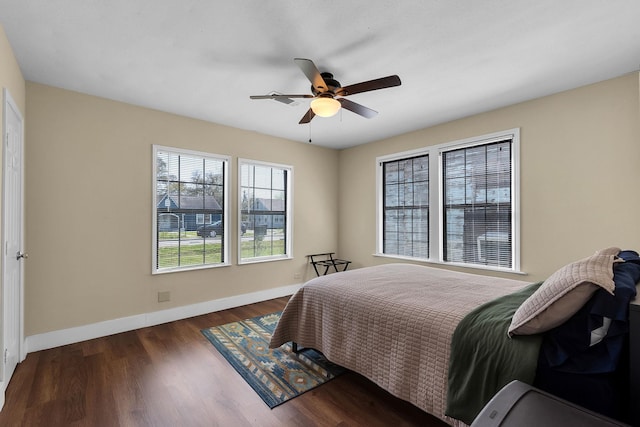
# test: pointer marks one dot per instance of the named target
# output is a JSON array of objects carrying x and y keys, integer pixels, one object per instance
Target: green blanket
[{"x": 484, "y": 359}]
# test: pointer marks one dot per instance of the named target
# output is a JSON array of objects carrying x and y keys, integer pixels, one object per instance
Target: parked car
[
  {"x": 211, "y": 230},
  {"x": 216, "y": 229}
]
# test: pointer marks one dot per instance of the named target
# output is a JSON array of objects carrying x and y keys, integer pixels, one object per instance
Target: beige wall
[
  {"x": 10, "y": 74},
  {"x": 89, "y": 202},
  {"x": 580, "y": 153}
]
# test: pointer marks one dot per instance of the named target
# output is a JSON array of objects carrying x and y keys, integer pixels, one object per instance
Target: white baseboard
[
  {"x": 109, "y": 327},
  {"x": 3, "y": 388}
]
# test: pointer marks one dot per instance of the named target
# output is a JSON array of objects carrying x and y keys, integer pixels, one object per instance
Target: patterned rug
[{"x": 277, "y": 375}]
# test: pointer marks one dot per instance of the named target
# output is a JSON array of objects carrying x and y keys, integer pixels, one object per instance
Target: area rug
[{"x": 277, "y": 375}]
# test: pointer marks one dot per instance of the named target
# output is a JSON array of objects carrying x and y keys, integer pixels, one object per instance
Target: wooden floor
[{"x": 170, "y": 375}]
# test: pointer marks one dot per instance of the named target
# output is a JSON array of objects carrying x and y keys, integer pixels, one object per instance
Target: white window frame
[
  {"x": 289, "y": 213},
  {"x": 436, "y": 203},
  {"x": 154, "y": 232}
]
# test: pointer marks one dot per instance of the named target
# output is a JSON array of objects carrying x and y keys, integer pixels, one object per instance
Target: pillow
[{"x": 564, "y": 293}]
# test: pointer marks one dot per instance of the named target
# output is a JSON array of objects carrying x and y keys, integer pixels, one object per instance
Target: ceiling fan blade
[
  {"x": 279, "y": 96},
  {"x": 367, "y": 86},
  {"x": 284, "y": 100},
  {"x": 357, "y": 108},
  {"x": 311, "y": 71},
  {"x": 307, "y": 117}
]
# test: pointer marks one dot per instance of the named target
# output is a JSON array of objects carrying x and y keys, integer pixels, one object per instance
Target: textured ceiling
[{"x": 203, "y": 59}]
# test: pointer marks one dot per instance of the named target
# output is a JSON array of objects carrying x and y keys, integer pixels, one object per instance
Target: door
[{"x": 12, "y": 281}]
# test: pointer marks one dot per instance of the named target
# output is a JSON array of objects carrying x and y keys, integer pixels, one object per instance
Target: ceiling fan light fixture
[{"x": 325, "y": 107}]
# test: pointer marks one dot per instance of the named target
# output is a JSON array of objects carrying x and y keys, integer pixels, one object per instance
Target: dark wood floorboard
[{"x": 170, "y": 375}]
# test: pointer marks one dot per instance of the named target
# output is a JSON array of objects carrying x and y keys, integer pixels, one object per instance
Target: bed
[
  {"x": 394, "y": 324},
  {"x": 391, "y": 323}
]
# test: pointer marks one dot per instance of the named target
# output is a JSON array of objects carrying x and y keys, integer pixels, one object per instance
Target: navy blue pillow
[{"x": 572, "y": 347}]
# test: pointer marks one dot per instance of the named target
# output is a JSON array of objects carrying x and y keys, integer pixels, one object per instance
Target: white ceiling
[{"x": 204, "y": 58}]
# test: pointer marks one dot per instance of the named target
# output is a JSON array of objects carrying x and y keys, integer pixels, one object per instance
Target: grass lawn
[{"x": 211, "y": 253}]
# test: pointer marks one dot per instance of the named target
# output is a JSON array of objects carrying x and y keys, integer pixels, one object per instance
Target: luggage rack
[{"x": 327, "y": 261}]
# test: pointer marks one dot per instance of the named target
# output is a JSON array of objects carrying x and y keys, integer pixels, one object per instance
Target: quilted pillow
[{"x": 564, "y": 293}]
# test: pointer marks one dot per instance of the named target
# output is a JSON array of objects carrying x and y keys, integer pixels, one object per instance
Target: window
[
  {"x": 477, "y": 204},
  {"x": 406, "y": 206},
  {"x": 474, "y": 185},
  {"x": 189, "y": 210},
  {"x": 264, "y": 200},
  {"x": 200, "y": 219}
]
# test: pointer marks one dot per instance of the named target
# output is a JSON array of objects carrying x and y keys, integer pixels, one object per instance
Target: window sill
[
  {"x": 189, "y": 268},
  {"x": 264, "y": 259},
  {"x": 453, "y": 264}
]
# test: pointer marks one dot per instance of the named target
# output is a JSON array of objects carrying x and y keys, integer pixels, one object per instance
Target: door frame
[{"x": 9, "y": 103}]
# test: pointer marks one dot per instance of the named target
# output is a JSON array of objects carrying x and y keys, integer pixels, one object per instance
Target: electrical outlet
[
  {"x": 164, "y": 296},
  {"x": 297, "y": 276}
]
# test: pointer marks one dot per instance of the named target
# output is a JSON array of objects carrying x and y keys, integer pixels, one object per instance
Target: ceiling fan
[{"x": 328, "y": 93}]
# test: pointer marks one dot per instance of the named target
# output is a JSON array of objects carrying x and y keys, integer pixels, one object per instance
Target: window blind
[
  {"x": 406, "y": 207},
  {"x": 189, "y": 208},
  {"x": 477, "y": 199}
]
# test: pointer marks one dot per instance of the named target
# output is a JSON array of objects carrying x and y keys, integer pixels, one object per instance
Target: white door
[{"x": 13, "y": 257}]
